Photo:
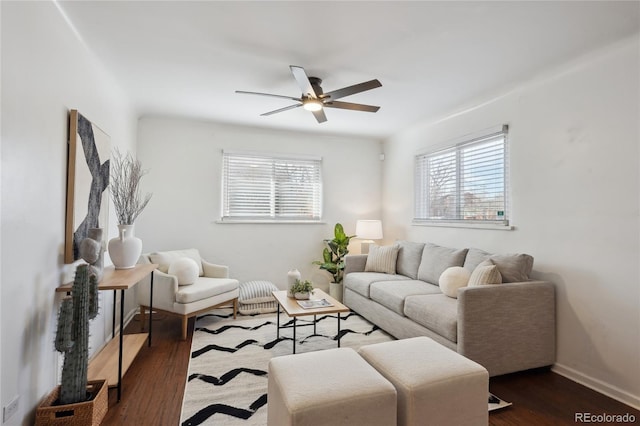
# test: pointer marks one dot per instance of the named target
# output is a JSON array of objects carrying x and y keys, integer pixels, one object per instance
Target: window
[
  {"x": 466, "y": 182},
  {"x": 263, "y": 187}
]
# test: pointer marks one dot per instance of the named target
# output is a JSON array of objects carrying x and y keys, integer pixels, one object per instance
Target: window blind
[
  {"x": 464, "y": 182},
  {"x": 271, "y": 187}
]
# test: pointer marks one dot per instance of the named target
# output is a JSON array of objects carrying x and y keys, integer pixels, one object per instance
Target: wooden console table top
[{"x": 118, "y": 279}]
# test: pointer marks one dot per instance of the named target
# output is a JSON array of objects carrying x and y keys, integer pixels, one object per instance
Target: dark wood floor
[{"x": 153, "y": 388}]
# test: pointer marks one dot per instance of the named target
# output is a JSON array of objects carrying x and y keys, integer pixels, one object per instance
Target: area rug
[{"x": 227, "y": 379}]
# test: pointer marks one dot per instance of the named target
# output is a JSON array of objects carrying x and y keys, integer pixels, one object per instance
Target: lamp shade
[{"x": 369, "y": 229}]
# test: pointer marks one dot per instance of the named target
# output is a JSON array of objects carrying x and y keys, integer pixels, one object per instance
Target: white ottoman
[
  {"x": 436, "y": 386},
  {"x": 328, "y": 388}
]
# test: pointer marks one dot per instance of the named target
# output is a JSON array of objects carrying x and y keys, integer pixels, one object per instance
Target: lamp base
[{"x": 364, "y": 246}]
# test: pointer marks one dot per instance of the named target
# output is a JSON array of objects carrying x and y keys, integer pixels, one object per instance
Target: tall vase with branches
[{"x": 128, "y": 201}]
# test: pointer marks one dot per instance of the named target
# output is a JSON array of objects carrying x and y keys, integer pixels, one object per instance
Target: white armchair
[{"x": 211, "y": 288}]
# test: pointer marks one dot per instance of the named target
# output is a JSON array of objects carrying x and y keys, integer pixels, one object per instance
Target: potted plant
[
  {"x": 301, "y": 290},
  {"x": 126, "y": 173},
  {"x": 76, "y": 401},
  {"x": 333, "y": 259}
]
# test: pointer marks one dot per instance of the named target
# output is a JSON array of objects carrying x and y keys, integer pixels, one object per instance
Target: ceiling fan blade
[
  {"x": 281, "y": 109},
  {"x": 320, "y": 116},
  {"x": 303, "y": 81},
  {"x": 352, "y": 106},
  {"x": 268, "y": 94},
  {"x": 352, "y": 90}
]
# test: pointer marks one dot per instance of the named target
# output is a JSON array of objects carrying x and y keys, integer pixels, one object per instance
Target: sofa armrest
[
  {"x": 165, "y": 287},
  {"x": 508, "y": 327},
  {"x": 354, "y": 263},
  {"x": 212, "y": 270}
]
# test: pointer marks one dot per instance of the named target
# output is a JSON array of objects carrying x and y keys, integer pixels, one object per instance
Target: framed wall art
[{"x": 87, "y": 182}]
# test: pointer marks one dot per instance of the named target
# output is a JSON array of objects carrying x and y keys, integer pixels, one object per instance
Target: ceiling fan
[{"x": 315, "y": 100}]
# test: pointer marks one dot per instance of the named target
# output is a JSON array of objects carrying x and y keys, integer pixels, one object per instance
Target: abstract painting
[{"x": 87, "y": 183}]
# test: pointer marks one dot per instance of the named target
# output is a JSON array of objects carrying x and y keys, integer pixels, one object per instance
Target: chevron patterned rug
[{"x": 227, "y": 380}]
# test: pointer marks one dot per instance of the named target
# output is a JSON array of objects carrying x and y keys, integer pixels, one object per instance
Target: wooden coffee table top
[{"x": 291, "y": 307}]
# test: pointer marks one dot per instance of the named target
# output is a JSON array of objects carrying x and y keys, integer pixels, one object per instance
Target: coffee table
[{"x": 291, "y": 307}]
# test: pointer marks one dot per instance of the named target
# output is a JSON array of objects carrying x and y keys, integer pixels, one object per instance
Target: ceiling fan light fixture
[{"x": 311, "y": 104}]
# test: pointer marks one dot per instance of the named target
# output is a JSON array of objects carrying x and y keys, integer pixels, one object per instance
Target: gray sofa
[{"x": 504, "y": 327}]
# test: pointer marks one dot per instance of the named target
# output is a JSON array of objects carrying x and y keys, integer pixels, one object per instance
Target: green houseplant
[
  {"x": 302, "y": 289},
  {"x": 333, "y": 259}
]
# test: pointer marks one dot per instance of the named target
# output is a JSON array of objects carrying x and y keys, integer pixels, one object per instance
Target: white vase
[
  {"x": 125, "y": 249},
  {"x": 335, "y": 291},
  {"x": 302, "y": 296},
  {"x": 292, "y": 276}
]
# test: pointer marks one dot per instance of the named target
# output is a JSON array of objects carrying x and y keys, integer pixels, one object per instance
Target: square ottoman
[
  {"x": 435, "y": 385},
  {"x": 333, "y": 387}
]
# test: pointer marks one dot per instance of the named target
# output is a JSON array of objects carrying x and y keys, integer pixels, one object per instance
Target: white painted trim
[
  {"x": 461, "y": 224},
  {"x": 268, "y": 222},
  {"x": 598, "y": 386}
]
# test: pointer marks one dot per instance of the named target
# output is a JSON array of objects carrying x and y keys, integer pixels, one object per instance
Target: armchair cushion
[
  {"x": 165, "y": 258},
  {"x": 204, "y": 288}
]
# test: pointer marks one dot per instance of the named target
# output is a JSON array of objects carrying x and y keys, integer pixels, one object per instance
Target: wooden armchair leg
[
  {"x": 185, "y": 321},
  {"x": 143, "y": 317},
  {"x": 235, "y": 307}
]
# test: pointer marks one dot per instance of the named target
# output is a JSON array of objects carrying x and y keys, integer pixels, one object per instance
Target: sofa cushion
[
  {"x": 204, "y": 288},
  {"x": 359, "y": 282},
  {"x": 452, "y": 279},
  {"x": 474, "y": 258},
  {"x": 165, "y": 258},
  {"x": 513, "y": 267},
  {"x": 391, "y": 294},
  {"x": 435, "y": 259},
  {"x": 409, "y": 256},
  {"x": 436, "y": 312},
  {"x": 485, "y": 273},
  {"x": 382, "y": 259}
]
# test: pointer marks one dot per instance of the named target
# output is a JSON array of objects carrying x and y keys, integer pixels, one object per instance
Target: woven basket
[{"x": 79, "y": 414}]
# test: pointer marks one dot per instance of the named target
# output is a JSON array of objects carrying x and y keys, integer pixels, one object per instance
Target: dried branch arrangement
[{"x": 126, "y": 173}]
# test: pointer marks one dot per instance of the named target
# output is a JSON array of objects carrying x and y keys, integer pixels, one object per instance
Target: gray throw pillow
[
  {"x": 409, "y": 256},
  {"x": 513, "y": 267},
  {"x": 435, "y": 259}
]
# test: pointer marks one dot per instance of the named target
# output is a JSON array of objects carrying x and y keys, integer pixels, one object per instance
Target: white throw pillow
[
  {"x": 382, "y": 259},
  {"x": 185, "y": 270},
  {"x": 485, "y": 273},
  {"x": 165, "y": 258},
  {"x": 452, "y": 279}
]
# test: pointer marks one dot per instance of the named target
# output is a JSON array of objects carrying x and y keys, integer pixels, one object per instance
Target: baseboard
[{"x": 598, "y": 385}]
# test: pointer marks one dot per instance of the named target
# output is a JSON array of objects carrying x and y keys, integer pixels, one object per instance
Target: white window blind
[
  {"x": 466, "y": 182},
  {"x": 271, "y": 187}
]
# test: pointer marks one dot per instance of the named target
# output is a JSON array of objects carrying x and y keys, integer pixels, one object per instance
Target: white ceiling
[{"x": 186, "y": 59}]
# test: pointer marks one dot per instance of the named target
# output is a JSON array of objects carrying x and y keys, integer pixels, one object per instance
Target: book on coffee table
[{"x": 320, "y": 303}]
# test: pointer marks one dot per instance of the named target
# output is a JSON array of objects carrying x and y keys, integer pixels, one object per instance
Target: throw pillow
[
  {"x": 485, "y": 273},
  {"x": 382, "y": 259},
  {"x": 253, "y": 292},
  {"x": 164, "y": 258},
  {"x": 409, "y": 256},
  {"x": 185, "y": 270},
  {"x": 513, "y": 267},
  {"x": 452, "y": 279},
  {"x": 435, "y": 259}
]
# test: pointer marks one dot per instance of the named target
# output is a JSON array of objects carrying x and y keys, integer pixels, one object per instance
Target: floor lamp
[{"x": 367, "y": 231}]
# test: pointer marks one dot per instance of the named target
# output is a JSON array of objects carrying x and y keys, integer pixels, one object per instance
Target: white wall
[
  {"x": 45, "y": 72},
  {"x": 184, "y": 160},
  {"x": 574, "y": 140}
]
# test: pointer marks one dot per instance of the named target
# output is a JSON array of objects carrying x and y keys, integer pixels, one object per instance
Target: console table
[{"x": 105, "y": 365}]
